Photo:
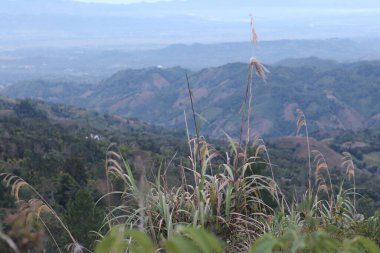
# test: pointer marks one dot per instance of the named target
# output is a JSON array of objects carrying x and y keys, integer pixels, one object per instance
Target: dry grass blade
[{"x": 9, "y": 242}]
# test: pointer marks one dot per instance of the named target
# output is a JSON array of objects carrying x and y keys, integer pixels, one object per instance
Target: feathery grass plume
[
  {"x": 253, "y": 31},
  {"x": 259, "y": 68},
  {"x": 348, "y": 164},
  {"x": 254, "y": 65},
  {"x": 321, "y": 165},
  {"x": 16, "y": 184},
  {"x": 302, "y": 123}
]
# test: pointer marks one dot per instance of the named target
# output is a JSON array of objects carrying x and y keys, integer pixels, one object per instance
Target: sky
[
  {"x": 69, "y": 23},
  {"x": 122, "y": 1}
]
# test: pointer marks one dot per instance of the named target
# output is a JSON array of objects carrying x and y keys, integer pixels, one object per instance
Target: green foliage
[
  {"x": 82, "y": 217},
  {"x": 185, "y": 239},
  {"x": 28, "y": 108},
  {"x": 316, "y": 242},
  {"x": 369, "y": 228},
  {"x": 75, "y": 167}
]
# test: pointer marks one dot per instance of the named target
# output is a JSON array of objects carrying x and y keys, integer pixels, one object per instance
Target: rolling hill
[{"x": 334, "y": 97}]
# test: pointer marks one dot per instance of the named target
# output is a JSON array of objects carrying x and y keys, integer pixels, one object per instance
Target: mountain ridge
[{"x": 160, "y": 95}]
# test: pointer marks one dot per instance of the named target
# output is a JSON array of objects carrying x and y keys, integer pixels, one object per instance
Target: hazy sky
[
  {"x": 122, "y": 1},
  {"x": 69, "y": 23}
]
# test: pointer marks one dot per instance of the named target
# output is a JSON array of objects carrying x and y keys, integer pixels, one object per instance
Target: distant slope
[
  {"x": 90, "y": 63},
  {"x": 197, "y": 56},
  {"x": 334, "y": 97}
]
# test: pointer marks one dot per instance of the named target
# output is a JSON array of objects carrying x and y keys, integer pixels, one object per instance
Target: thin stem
[
  {"x": 249, "y": 108},
  {"x": 194, "y": 118}
]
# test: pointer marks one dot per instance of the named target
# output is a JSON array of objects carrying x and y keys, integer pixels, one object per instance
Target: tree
[
  {"x": 83, "y": 217},
  {"x": 76, "y": 169}
]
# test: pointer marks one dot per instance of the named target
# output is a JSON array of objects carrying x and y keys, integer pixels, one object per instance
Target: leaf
[
  {"x": 265, "y": 244},
  {"x": 228, "y": 201},
  {"x": 179, "y": 244},
  {"x": 229, "y": 171},
  {"x": 231, "y": 141},
  {"x": 298, "y": 244},
  {"x": 203, "y": 239},
  {"x": 142, "y": 243},
  {"x": 112, "y": 243},
  {"x": 369, "y": 245}
]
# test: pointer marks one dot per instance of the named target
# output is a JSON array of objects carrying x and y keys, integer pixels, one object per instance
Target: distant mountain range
[
  {"x": 334, "y": 96},
  {"x": 89, "y": 65}
]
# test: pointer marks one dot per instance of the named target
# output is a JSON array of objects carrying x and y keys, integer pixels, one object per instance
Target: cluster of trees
[{"x": 50, "y": 146}]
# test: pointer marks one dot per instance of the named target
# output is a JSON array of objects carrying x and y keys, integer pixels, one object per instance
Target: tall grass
[{"x": 227, "y": 203}]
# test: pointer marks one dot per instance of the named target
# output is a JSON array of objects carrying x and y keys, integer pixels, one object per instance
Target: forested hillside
[{"x": 334, "y": 97}]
